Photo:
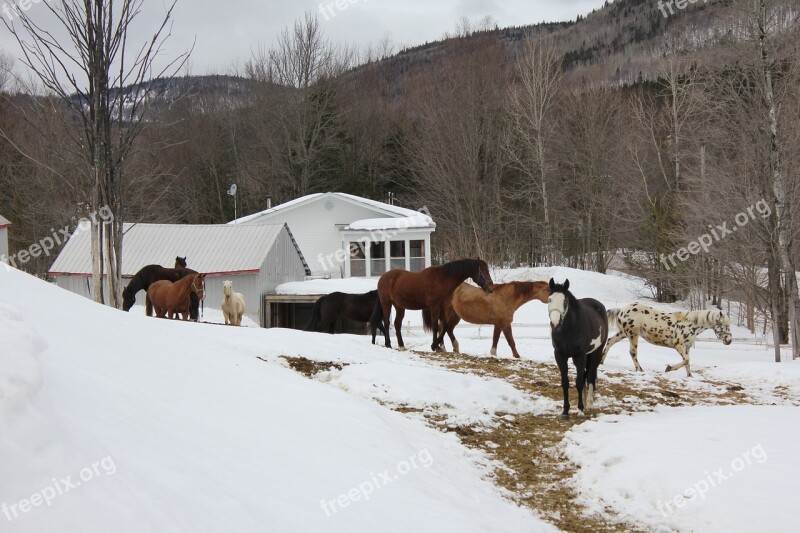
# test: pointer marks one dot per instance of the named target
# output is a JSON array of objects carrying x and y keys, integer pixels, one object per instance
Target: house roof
[
  {"x": 391, "y": 211},
  {"x": 4, "y": 223},
  {"x": 213, "y": 249}
]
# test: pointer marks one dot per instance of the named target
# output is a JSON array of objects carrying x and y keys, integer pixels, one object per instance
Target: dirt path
[{"x": 528, "y": 446}]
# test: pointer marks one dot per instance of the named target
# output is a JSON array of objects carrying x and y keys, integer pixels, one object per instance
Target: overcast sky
[{"x": 225, "y": 32}]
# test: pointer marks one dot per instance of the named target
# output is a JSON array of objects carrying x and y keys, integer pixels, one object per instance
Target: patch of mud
[{"x": 310, "y": 368}]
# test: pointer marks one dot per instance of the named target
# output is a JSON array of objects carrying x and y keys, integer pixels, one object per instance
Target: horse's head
[
  {"x": 127, "y": 299},
  {"x": 558, "y": 303},
  {"x": 227, "y": 287},
  {"x": 199, "y": 286},
  {"x": 180, "y": 262},
  {"x": 722, "y": 328},
  {"x": 482, "y": 278}
]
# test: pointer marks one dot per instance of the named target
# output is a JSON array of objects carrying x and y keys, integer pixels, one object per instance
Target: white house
[
  {"x": 257, "y": 258},
  {"x": 4, "y": 224},
  {"x": 341, "y": 235}
]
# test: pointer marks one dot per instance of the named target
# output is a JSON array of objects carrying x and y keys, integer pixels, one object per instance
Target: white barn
[
  {"x": 342, "y": 236},
  {"x": 257, "y": 258},
  {"x": 4, "y": 224}
]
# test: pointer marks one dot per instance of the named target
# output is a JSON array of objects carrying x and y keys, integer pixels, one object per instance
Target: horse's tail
[
  {"x": 427, "y": 320},
  {"x": 148, "y": 305},
  {"x": 612, "y": 315},
  {"x": 316, "y": 315},
  {"x": 376, "y": 319}
]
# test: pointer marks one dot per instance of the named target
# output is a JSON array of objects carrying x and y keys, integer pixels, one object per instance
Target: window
[
  {"x": 377, "y": 253},
  {"x": 358, "y": 260},
  {"x": 417, "y": 249},
  {"x": 397, "y": 250}
]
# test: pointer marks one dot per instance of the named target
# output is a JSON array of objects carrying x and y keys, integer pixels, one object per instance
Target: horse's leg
[
  {"x": 450, "y": 328},
  {"x": 562, "y": 366},
  {"x": 438, "y": 340},
  {"x": 387, "y": 309},
  {"x": 611, "y": 342},
  {"x": 593, "y": 361},
  {"x": 580, "y": 380},
  {"x": 685, "y": 356},
  {"x": 398, "y": 325},
  {"x": 495, "y": 340},
  {"x": 510, "y": 340},
  {"x": 634, "y": 339}
]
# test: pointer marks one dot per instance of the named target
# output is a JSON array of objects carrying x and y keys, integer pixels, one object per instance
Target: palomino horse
[
  {"x": 169, "y": 299},
  {"x": 329, "y": 308},
  {"x": 232, "y": 304},
  {"x": 497, "y": 308},
  {"x": 672, "y": 330},
  {"x": 427, "y": 289},
  {"x": 579, "y": 330},
  {"x": 148, "y": 275}
]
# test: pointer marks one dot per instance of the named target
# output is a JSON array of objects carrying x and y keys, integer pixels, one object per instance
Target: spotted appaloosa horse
[
  {"x": 672, "y": 330},
  {"x": 579, "y": 329}
]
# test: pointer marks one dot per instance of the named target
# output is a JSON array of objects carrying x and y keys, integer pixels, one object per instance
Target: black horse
[
  {"x": 328, "y": 309},
  {"x": 150, "y": 274},
  {"x": 579, "y": 330}
]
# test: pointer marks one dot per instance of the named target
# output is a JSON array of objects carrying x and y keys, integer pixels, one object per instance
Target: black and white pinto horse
[
  {"x": 672, "y": 330},
  {"x": 578, "y": 329}
]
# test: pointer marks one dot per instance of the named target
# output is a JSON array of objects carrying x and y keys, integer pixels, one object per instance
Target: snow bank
[
  {"x": 692, "y": 469},
  {"x": 327, "y": 286}
]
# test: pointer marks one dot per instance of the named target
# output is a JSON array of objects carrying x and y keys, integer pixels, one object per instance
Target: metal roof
[
  {"x": 213, "y": 249},
  {"x": 381, "y": 207}
]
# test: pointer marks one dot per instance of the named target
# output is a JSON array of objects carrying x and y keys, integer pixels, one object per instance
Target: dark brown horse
[
  {"x": 168, "y": 299},
  {"x": 148, "y": 275},
  {"x": 497, "y": 308},
  {"x": 330, "y": 308},
  {"x": 180, "y": 262},
  {"x": 429, "y": 289}
]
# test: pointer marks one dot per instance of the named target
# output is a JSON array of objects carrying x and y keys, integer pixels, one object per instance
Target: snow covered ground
[{"x": 113, "y": 421}]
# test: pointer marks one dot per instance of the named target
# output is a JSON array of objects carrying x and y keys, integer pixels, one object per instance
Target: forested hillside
[{"x": 625, "y": 133}]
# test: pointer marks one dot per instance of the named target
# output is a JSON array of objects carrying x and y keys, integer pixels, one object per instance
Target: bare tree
[
  {"x": 531, "y": 123},
  {"x": 107, "y": 87}
]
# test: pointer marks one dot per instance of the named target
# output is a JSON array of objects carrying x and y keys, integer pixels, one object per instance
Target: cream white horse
[
  {"x": 673, "y": 330},
  {"x": 232, "y": 305}
]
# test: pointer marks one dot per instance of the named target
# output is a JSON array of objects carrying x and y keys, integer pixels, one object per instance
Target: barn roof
[
  {"x": 379, "y": 207},
  {"x": 213, "y": 249},
  {"x": 4, "y": 222}
]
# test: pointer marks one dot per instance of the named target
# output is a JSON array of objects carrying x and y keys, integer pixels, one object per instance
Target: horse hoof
[
  {"x": 564, "y": 416},
  {"x": 516, "y": 356},
  {"x": 669, "y": 368}
]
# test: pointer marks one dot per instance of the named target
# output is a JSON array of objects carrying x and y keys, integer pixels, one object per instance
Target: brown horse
[
  {"x": 496, "y": 308},
  {"x": 429, "y": 289},
  {"x": 180, "y": 262},
  {"x": 169, "y": 299}
]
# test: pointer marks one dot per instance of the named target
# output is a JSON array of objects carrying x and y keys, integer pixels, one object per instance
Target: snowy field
[{"x": 113, "y": 421}]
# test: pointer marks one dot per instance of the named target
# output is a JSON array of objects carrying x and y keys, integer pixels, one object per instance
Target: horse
[
  {"x": 180, "y": 262},
  {"x": 169, "y": 299},
  {"x": 497, "y": 308},
  {"x": 149, "y": 275},
  {"x": 672, "y": 330},
  {"x": 232, "y": 304},
  {"x": 329, "y": 308},
  {"x": 428, "y": 289},
  {"x": 579, "y": 330}
]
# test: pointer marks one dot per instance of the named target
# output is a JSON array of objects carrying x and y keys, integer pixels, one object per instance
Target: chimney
[{"x": 269, "y": 201}]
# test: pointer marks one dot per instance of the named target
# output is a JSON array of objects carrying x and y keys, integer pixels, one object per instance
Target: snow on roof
[
  {"x": 327, "y": 286},
  {"x": 218, "y": 248},
  {"x": 4, "y": 222},
  {"x": 418, "y": 220},
  {"x": 391, "y": 210}
]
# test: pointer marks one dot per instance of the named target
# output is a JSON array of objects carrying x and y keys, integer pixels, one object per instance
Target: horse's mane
[
  {"x": 706, "y": 318},
  {"x": 524, "y": 289},
  {"x": 461, "y": 268}
]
